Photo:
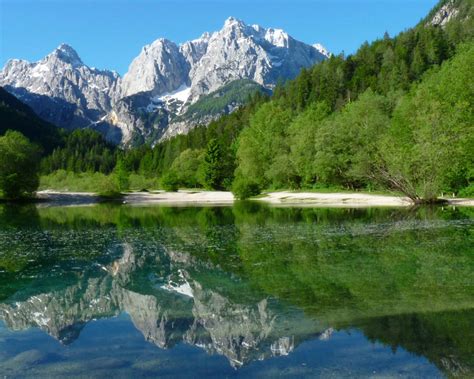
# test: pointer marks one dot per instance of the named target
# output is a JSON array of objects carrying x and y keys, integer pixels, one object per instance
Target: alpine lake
[{"x": 249, "y": 290}]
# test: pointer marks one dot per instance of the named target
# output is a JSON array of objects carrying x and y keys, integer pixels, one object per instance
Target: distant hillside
[{"x": 14, "y": 115}]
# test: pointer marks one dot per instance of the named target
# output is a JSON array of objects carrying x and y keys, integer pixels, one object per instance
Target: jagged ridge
[{"x": 164, "y": 78}]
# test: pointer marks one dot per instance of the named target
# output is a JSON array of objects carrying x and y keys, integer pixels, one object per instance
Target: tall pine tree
[{"x": 213, "y": 166}]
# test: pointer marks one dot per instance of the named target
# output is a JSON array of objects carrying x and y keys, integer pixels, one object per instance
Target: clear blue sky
[{"x": 110, "y": 33}]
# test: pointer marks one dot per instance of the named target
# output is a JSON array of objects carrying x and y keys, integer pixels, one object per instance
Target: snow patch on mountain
[
  {"x": 322, "y": 50},
  {"x": 181, "y": 94}
]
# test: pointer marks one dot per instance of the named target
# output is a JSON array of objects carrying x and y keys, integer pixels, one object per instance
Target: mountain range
[{"x": 162, "y": 92}]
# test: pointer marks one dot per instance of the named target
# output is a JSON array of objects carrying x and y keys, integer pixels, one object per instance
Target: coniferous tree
[
  {"x": 122, "y": 176},
  {"x": 213, "y": 166}
]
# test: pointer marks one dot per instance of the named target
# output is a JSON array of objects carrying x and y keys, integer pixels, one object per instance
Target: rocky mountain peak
[
  {"x": 277, "y": 37},
  {"x": 67, "y": 54},
  {"x": 159, "y": 44},
  {"x": 234, "y": 29},
  {"x": 233, "y": 22},
  {"x": 159, "y": 68},
  {"x": 205, "y": 36},
  {"x": 62, "y": 89}
]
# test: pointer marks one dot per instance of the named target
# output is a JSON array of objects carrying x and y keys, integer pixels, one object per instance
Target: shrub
[
  {"x": 467, "y": 191},
  {"x": 244, "y": 188},
  {"x": 170, "y": 182},
  {"x": 140, "y": 182},
  {"x": 108, "y": 187},
  {"x": 121, "y": 176},
  {"x": 188, "y": 168}
]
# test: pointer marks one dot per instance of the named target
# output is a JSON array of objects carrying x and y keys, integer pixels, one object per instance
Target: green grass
[
  {"x": 93, "y": 182},
  {"x": 77, "y": 182}
]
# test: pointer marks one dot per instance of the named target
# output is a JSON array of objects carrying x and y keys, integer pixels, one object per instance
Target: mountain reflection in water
[{"x": 247, "y": 282}]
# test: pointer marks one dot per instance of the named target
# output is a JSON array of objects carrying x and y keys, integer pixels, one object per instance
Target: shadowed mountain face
[
  {"x": 247, "y": 283},
  {"x": 17, "y": 116}
]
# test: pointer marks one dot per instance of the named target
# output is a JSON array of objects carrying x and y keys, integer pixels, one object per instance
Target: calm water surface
[{"x": 243, "y": 291}]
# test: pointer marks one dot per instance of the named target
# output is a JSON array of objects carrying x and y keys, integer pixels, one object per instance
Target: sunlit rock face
[
  {"x": 159, "y": 68},
  {"x": 237, "y": 51},
  {"x": 445, "y": 14},
  {"x": 160, "y": 84},
  {"x": 240, "y": 51}
]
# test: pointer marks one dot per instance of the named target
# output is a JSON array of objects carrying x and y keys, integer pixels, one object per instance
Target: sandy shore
[
  {"x": 460, "y": 202},
  {"x": 50, "y": 193},
  {"x": 286, "y": 198},
  {"x": 335, "y": 199},
  {"x": 180, "y": 197},
  {"x": 274, "y": 198}
]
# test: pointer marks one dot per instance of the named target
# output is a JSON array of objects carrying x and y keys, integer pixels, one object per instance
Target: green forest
[{"x": 397, "y": 115}]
